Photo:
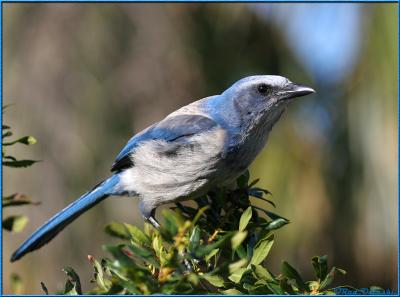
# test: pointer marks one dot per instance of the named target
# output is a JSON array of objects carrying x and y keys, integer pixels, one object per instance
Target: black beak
[{"x": 294, "y": 90}]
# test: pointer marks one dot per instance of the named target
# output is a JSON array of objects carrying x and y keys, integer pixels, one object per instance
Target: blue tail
[{"x": 53, "y": 226}]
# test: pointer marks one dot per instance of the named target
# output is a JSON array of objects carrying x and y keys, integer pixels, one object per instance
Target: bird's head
[
  {"x": 255, "y": 100},
  {"x": 265, "y": 93}
]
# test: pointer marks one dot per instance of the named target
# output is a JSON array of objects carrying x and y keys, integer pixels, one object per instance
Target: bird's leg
[
  {"x": 152, "y": 219},
  {"x": 154, "y": 222},
  {"x": 149, "y": 214}
]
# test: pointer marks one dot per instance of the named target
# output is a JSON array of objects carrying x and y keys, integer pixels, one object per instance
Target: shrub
[
  {"x": 217, "y": 247},
  {"x": 15, "y": 223}
]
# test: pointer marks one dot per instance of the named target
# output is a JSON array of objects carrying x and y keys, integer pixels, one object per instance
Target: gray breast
[
  {"x": 239, "y": 158},
  {"x": 251, "y": 142},
  {"x": 159, "y": 177}
]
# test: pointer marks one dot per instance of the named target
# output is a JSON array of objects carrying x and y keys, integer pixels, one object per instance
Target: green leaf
[
  {"x": 261, "y": 250},
  {"x": 262, "y": 273},
  {"x": 266, "y": 192},
  {"x": 17, "y": 199},
  {"x": 5, "y": 127},
  {"x": 237, "y": 275},
  {"x": 17, "y": 287},
  {"x": 145, "y": 254},
  {"x": 27, "y": 140},
  {"x": 256, "y": 193},
  {"x": 20, "y": 163},
  {"x": 7, "y": 134},
  {"x": 194, "y": 240},
  {"x": 243, "y": 180},
  {"x": 186, "y": 209},
  {"x": 122, "y": 262},
  {"x": 286, "y": 287},
  {"x": 276, "y": 224},
  {"x": 256, "y": 288},
  {"x": 201, "y": 251},
  {"x": 320, "y": 265},
  {"x": 137, "y": 235},
  {"x": 199, "y": 213},
  {"x": 231, "y": 292},
  {"x": 235, "y": 266},
  {"x": 245, "y": 219},
  {"x": 275, "y": 288},
  {"x": 9, "y": 158},
  {"x": 211, "y": 254},
  {"x": 69, "y": 288},
  {"x": 7, "y": 106},
  {"x": 291, "y": 273},
  {"x": 193, "y": 278},
  {"x": 272, "y": 215},
  {"x": 44, "y": 288},
  {"x": 254, "y": 182},
  {"x": 99, "y": 274},
  {"x": 172, "y": 222},
  {"x": 129, "y": 286},
  {"x": 249, "y": 288},
  {"x": 241, "y": 252},
  {"x": 117, "y": 230},
  {"x": 215, "y": 280},
  {"x": 15, "y": 223},
  {"x": 237, "y": 239},
  {"x": 74, "y": 281},
  {"x": 330, "y": 276},
  {"x": 158, "y": 248}
]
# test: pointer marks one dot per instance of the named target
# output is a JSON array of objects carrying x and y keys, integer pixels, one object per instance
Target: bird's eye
[{"x": 263, "y": 89}]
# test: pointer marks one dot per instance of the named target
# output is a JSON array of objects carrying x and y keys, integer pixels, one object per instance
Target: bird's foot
[{"x": 153, "y": 222}]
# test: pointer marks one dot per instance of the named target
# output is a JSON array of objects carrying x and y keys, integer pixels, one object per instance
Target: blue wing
[{"x": 170, "y": 129}]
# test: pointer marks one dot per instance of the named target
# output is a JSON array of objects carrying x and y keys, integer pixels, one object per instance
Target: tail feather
[{"x": 58, "y": 222}]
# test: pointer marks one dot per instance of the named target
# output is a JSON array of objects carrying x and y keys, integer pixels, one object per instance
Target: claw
[{"x": 154, "y": 222}]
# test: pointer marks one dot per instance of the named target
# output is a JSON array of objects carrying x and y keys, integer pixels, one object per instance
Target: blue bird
[{"x": 205, "y": 144}]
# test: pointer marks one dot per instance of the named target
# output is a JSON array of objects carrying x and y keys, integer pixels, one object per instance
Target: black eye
[{"x": 263, "y": 89}]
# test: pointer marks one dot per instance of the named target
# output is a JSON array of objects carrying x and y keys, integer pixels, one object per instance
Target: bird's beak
[{"x": 294, "y": 90}]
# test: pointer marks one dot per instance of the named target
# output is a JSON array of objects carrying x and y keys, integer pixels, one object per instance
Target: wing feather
[{"x": 171, "y": 129}]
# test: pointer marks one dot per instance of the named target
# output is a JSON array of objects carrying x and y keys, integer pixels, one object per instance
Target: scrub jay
[{"x": 205, "y": 144}]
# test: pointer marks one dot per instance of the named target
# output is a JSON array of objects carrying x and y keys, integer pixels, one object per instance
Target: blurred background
[{"x": 83, "y": 78}]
